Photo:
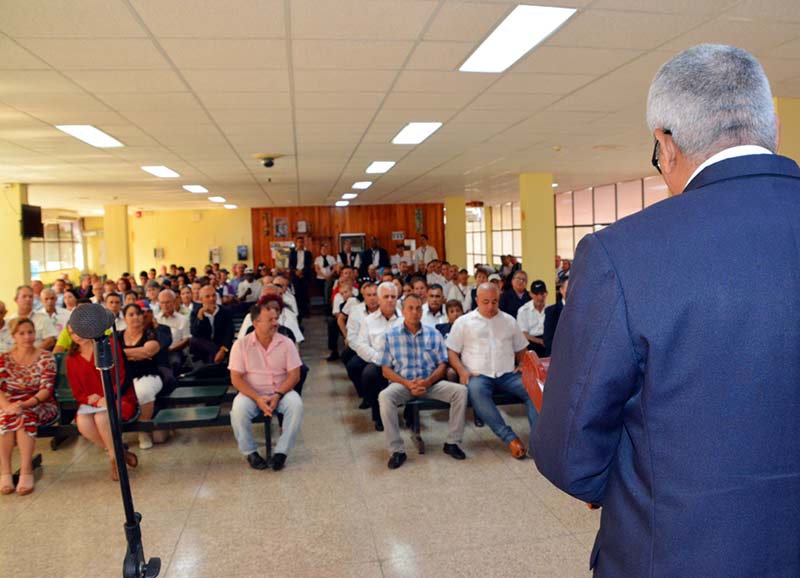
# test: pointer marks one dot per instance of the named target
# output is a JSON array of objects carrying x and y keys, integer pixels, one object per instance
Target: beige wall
[{"x": 186, "y": 237}]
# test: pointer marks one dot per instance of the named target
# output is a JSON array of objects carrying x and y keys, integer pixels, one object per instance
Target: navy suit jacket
[
  {"x": 308, "y": 264},
  {"x": 673, "y": 397},
  {"x": 366, "y": 260}
]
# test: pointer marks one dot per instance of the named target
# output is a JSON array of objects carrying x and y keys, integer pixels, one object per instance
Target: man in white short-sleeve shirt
[
  {"x": 265, "y": 367},
  {"x": 530, "y": 318},
  {"x": 485, "y": 347}
]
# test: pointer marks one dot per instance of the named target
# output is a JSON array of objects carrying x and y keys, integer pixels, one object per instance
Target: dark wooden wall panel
[{"x": 326, "y": 223}]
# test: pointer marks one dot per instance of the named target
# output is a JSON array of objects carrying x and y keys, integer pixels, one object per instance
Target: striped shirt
[{"x": 413, "y": 355}]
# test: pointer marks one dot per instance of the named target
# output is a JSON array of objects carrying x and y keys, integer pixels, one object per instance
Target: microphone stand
[{"x": 134, "y": 565}]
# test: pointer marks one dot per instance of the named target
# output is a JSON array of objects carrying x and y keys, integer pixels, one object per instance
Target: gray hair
[
  {"x": 712, "y": 97},
  {"x": 386, "y": 286}
]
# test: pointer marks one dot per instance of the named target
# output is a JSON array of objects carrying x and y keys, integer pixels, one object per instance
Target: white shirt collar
[{"x": 729, "y": 153}]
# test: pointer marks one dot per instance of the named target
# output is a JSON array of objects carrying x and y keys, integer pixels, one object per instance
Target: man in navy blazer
[
  {"x": 675, "y": 405},
  {"x": 374, "y": 255}
]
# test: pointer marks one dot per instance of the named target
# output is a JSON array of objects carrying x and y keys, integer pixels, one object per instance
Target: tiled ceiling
[{"x": 204, "y": 85}]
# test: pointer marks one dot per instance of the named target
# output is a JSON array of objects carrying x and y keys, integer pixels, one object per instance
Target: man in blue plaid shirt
[{"x": 414, "y": 362}]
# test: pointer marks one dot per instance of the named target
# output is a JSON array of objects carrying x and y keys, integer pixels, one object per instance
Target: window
[
  {"x": 579, "y": 213},
  {"x": 61, "y": 248},
  {"x": 506, "y": 232},
  {"x": 476, "y": 237}
]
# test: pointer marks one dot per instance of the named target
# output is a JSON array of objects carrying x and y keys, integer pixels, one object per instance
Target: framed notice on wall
[
  {"x": 281, "y": 227},
  {"x": 241, "y": 252}
]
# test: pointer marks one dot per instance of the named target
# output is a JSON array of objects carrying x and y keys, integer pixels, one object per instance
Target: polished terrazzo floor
[{"x": 335, "y": 511}]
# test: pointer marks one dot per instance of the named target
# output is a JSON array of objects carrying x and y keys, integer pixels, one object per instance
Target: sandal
[
  {"x": 6, "y": 484},
  {"x": 130, "y": 459},
  {"x": 26, "y": 484}
]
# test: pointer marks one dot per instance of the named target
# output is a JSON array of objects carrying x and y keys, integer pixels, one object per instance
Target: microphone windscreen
[{"x": 91, "y": 320}]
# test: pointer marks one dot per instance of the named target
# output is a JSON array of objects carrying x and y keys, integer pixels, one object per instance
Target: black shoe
[
  {"x": 257, "y": 462},
  {"x": 479, "y": 422},
  {"x": 379, "y": 426},
  {"x": 278, "y": 461},
  {"x": 364, "y": 404},
  {"x": 454, "y": 452},
  {"x": 397, "y": 460},
  {"x": 332, "y": 357}
]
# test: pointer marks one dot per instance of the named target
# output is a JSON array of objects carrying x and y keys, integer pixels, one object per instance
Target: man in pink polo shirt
[{"x": 265, "y": 367}]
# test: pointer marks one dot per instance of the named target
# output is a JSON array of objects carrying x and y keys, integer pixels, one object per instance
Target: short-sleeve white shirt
[
  {"x": 486, "y": 346},
  {"x": 531, "y": 320}
]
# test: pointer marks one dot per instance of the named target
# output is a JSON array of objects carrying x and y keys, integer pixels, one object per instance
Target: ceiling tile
[
  {"x": 353, "y": 19},
  {"x": 34, "y": 81},
  {"x": 14, "y": 56},
  {"x": 671, "y": 7},
  {"x": 134, "y": 81},
  {"x": 213, "y": 19},
  {"x": 86, "y": 18},
  {"x": 571, "y": 60},
  {"x": 513, "y": 101},
  {"x": 97, "y": 53},
  {"x": 750, "y": 35},
  {"x": 306, "y": 116},
  {"x": 442, "y": 82},
  {"x": 246, "y": 100},
  {"x": 226, "y": 53},
  {"x": 774, "y": 10},
  {"x": 226, "y": 118},
  {"x": 156, "y": 101},
  {"x": 323, "y": 100},
  {"x": 540, "y": 83},
  {"x": 430, "y": 55},
  {"x": 349, "y": 54},
  {"x": 616, "y": 29},
  {"x": 465, "y": 21},
  {"x": 343, "y": 81},
  {"x": 413, "y": 101},
  {"x": 238, "y": 80}
]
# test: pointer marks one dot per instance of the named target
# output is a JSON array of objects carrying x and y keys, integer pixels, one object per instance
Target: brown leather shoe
[{"x": 517, "y": 449}]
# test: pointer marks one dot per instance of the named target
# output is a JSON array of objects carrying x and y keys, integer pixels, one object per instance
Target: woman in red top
[
  {"x": 87, "y": 387},
  {"x": 27, "y": 378}
]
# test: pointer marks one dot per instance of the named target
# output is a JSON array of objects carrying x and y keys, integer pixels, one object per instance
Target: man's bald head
[{"x": 488, "y": 296}]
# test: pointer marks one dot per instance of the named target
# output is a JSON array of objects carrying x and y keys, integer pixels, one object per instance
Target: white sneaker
[{"x": 145, "y": 441}]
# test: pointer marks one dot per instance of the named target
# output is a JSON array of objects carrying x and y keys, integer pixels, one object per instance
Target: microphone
[{"x": 91, "y": 320}]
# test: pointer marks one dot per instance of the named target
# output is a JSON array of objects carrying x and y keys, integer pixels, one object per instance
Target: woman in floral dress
[{"x": 27, "y": 379}]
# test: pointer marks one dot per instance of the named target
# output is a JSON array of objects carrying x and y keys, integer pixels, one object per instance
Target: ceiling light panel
[
  {"x": 362, "y": 185},
  {"x": 160, "y": 171},
  {"x": 195, "y": 188},
  {"x": 217, "y": 199},
  {"x": 90, "y": 135},
  {"x": 380, "y": 167},
  {"x": 342, "y": 203},
  {"x": 349, "y": 196},
  {"x": 416, "y": 132},
  {"x": 521, "y": 30}
]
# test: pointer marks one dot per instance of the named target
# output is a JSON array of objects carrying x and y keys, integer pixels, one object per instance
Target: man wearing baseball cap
[{"x": 530, "y": 318}]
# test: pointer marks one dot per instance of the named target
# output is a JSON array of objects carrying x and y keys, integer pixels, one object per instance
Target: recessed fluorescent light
[
  {"x": 380, "y": 166},
  {"x": 342, "y": 203},
  {"x": 362, "y": 185},
  {"x": 521, "y": 30},
  {"x": 161, "y": 171},
  {"x": 555, "y": 185},
  {"x": 90, "y": 135},
  {"x": 416, "y": 132},
  {"x": 231, "y": 206},
  {"x": 348, "y": 196},
  {"x": 195, "y": 188},
  {"x": 217, "y": 199}
]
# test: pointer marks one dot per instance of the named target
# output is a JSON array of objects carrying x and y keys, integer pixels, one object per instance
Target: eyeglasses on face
[{"x": 657, "y": 151}]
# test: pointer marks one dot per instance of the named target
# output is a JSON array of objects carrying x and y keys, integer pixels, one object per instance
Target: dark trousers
[
  {"x": 333, "y": 335},
  {"x": 372, "y": 384},
  {"x": 300, "y": 285},
  {"x": 347, "y": 355},
  {"x": 539, "y": 349},
  {"x": 203, "y": 350},
  {"x": 355, "y": 367}
]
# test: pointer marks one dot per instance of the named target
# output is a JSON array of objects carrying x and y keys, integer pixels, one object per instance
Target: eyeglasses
[{"x": 657, "y": 151}]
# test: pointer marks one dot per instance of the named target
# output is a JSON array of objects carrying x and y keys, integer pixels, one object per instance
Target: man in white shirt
[
  {"x": 46, "y": 333},
  {"x": 113, "y": 303},
  {"x": 425, "y": 253},
  {"x": 398, "y": 257},
  {"x": 58, "y": 317},
  {"x": 433, "y": 312},
  {"x": 355, "y": 312},
  {"x": 249, "y": 290},
  {"x": 485, "y": 347},
  {"x": 323, "y": 267},
  {"x": 450, "y": 275},
  {"x": 289, "y": 300},
  {"x": 369, "y": 347},
  {"x": 6, "y": 341},
  {"x": 461, "y": 291},
  {"x": 530, "y": 318},
  {"x": 179, "y": 327},
  {"x": 434, "y": 274}
]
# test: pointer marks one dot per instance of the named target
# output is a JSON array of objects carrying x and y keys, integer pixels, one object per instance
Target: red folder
[{"x": 534, "y": 374}]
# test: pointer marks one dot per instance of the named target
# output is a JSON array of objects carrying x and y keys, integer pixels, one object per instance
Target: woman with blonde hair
[{"x": 27, "y": 380}]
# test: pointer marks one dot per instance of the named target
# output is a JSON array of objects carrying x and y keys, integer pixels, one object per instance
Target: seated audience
[
  {"x": 152, "y": 289},
  {"x": 343, "y": 297},
  {"x": 188, "y": 306},
  {"x": 355, "y": 316},
  {"x": 515, "y": 296},
  {"x": 375, "y": 255},
  {"x": 130, "y": 297},
  {"x": 433, "y": 311},
  {"x": 211, "y": 328},
  {"x": 414, "y": 362},
  {"x": 481, "y": 277},
  {"x": 399, "y": 257},
  {"x": 454, "y": 310},
  {"x": 551, "y": 316},
  {"x": 57, "y": 316},
  {"x": 70, "y": 301},
  {"x": 530, "y": 318},
  {"x": 140, "y": 345},
  {"x": 461, "y": 290},
  {"x": 6, "y": 341},
  {"x": 87, "y": 388},
  {"x": 46, "y": 333},
  {"x": 289, "y": 300},
  {"x": 424, "y": 253},
  {"x": 265, "y": 367},
  {"x": 114, "y": 305},
  {"x": 419, "y": 286},
  {"x": 123, "y": 285},
  {"x": 366, "y": 364},
  {"x": 179, "y": 327},
  {"x": 348, "y": 257},
  {"x": 485, "y": 347},
  {"x": 27, "y": 379}
]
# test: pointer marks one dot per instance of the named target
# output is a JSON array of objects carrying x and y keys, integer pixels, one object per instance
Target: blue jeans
[
  {"x": 482, "y": 387},
  {"x": 245, "y": 409}
]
